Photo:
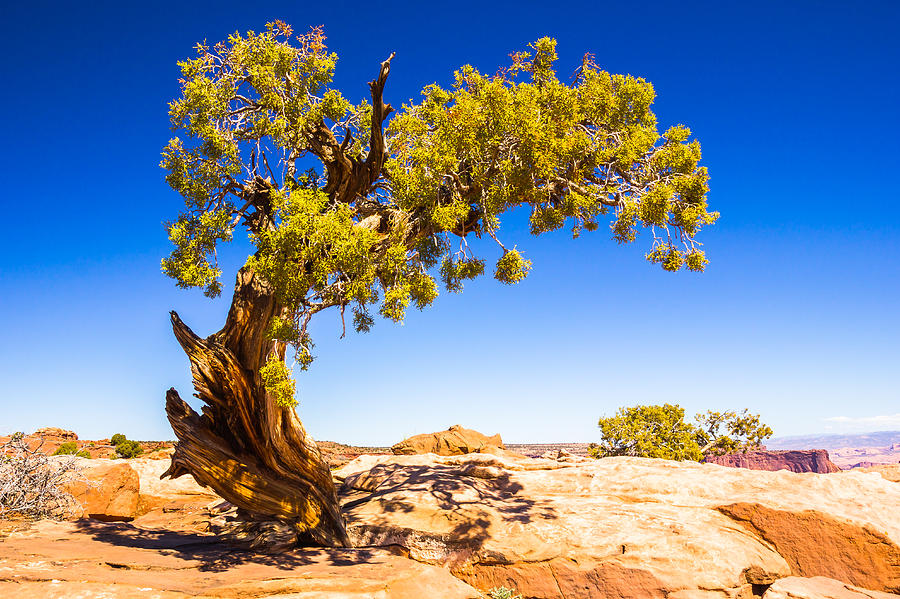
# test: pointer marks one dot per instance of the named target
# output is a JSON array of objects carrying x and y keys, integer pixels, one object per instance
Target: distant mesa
[
  {"x": 805, "y": 460},
  {"x": 48, "y": 439},
  {"x": 832, "y": 442},
  {"x": 849, "y": 451}
]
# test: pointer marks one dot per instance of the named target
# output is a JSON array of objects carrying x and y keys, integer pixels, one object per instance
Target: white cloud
[{"x": 882, "y": 422}]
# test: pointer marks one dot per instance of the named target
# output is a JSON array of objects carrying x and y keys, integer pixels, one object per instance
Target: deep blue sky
[{"x": 796, "y": 105}]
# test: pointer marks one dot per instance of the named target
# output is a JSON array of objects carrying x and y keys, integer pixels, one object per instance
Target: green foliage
[
  {"x": 571, "y": 152},
  {"x": 128, "y": 449},
  {"x": 369, "y": 226},
  {"x": 655, "y": 431},
  {"x": 649, "y": 432},
  {"x": 512, "y": 267},
  {"x": 503, "y": 593},
  {"x": 67, "y": 448},
  {"x": 278, "y": 382},
  {"x": 71, "y": 448},
  {"x": 455, "y": 271},
  {"x": 117, "y": 438},
  {"x": 720, "y": 433}
]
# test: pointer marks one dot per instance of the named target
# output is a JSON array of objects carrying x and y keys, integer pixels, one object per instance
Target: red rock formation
[
  {"x": 109, "y": 492},
  {"x": 818, "y": 544},
  {"x": 806, "y": 460}
]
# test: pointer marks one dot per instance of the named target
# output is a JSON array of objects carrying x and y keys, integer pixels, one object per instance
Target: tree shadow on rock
[
  {"x": 212, "y": 554},
  {"x": 473, "y": 497}
]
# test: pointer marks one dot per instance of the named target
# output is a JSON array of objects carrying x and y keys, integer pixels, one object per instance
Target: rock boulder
[
  {"x": 107, "y": 491},
  {"x": 456, "y": 440}
]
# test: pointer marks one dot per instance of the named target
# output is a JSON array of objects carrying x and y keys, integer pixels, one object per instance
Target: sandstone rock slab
[
  {"x": 624, "y": 527},
  {"x": 890, "y": 472},
  {"x": 93, "y": 559},
  {"x": 819, "y": 587}
]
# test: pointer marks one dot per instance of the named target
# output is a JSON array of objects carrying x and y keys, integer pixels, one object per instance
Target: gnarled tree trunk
[{"x": 248, "y": 449}]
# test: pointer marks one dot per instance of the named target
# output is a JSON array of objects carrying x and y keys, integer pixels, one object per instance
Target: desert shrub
[
  {"x": 31, "y": 484},
  {"x": 503, "y": 593},
  {"x": 648, "y": 432},
  {"x": 742, "y": 432},
  {"x": 84, "y": 453},
  {"x": 128, "y": 449},
  {"x": 67, "y": 448},
  {"x": 117, "y": 438},
  {"x": 661, "y": 432}
]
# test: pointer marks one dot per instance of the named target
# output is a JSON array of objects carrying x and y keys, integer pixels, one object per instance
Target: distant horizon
[{"x": 776, "y": 439}]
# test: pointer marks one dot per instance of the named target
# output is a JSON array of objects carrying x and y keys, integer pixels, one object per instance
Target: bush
[
  {"x": 124, "y": 447},
  {"x": 31, "y": 484},
  {"x": 71, "y": 448},
  {"x": 128, "y": 449},
  {"x": 743, "y": 432},
  {"x": 648, "y": 432},
  {"x": 661, "y": 432},
  {"x": 67, "y": 448}
]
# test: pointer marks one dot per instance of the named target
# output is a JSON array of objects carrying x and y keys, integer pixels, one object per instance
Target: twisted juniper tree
[{"x": 348, "y": 208}]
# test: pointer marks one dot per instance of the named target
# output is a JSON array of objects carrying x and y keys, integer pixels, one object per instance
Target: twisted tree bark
[{"x": 248, "y": 449}]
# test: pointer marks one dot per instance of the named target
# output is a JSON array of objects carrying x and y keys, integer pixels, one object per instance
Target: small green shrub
[
  {"x": 84, "y": 453},
  {"x": 117, "y": 438},
  {"x": 67, "y": 448},
  {"x": 128, "y": 449},
  {"x": 503, "y": 593}
]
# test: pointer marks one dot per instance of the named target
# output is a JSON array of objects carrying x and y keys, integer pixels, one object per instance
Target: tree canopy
[
  {"x": 660, "y": 431},
  {"x": 346, "y": 212}
]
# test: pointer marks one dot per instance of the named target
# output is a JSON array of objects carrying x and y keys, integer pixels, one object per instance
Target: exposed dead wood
[{"x": 248, "y": 449}]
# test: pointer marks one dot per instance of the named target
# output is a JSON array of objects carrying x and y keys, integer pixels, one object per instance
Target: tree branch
[{"x": 380, "y": 111}]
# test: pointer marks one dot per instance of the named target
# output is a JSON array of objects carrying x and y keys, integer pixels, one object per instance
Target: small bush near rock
[
  {"x": 67, "y": 448},
  {"x": 31, "y": 484},
  {"x": 70, "y": 448},
  {"x": 125, "y": 448},
  {"x": 128, "y": 449}
]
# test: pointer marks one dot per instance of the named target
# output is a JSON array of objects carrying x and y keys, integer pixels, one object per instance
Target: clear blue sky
[{"x": 796, "y": 105}]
